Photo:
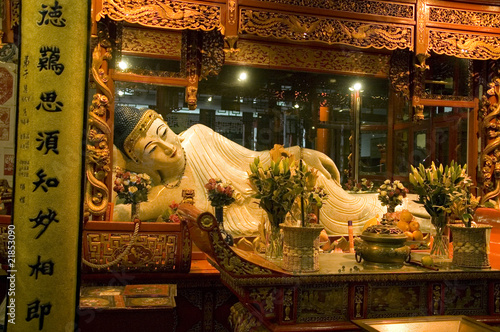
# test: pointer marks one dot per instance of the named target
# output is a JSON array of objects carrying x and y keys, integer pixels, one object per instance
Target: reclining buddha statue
[{"x": 144, "y": 143}]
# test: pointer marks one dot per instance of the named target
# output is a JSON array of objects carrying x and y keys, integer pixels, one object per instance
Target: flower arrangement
[
  {"x": 132, "y": 187},
  {"x": 171, "y": 213},
  {"x": 438, "y": 186},
  {"x": 283, "y": 183},
  {"x": 364, "y": 186},
  {"x": 219, "y": 194},
  {"x": 391, "y": 194}
]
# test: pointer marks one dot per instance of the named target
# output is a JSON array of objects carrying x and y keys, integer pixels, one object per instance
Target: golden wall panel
[
  {"x": 167, "y": 14},
  {"x": 152, "y": 42},
  {"x": 307, "y": 58},
  {"x": 464, "y": 17},
  {"x": 465, "y": 45},
  {"x": 302, "y": 28},
  {"x": 360, "y": 6}
]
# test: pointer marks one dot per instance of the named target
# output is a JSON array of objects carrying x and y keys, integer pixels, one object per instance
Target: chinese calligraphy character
[
  {"x": 54, "y": 14},
  {"x": 44, "y": 220},
  {"x": 49, "y": 103},
  {"x": 26, "y": 62},
  {"x": 44, "y": 183},
  {"x": 49, "y": 59},
  {"x": 45, "y": 268},
  {"x": 35, "y": 310},
  {"x": 48, "y": 139}
]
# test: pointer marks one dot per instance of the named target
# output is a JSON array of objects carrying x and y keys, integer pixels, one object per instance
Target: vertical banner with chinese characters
[{"x": 43, "y": 274}]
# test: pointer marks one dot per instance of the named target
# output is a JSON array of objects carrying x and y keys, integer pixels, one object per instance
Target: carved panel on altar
[
  {"x": 319, "y": 303},
  {"x": 397, "y": 300},
  {"x": 466, "y": 299}
]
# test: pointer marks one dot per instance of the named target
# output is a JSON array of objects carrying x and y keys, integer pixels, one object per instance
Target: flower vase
[
  {"x": 219, "y": 215},
  {"x": 439, "y": 248},
  {"x": 274, "y": 238}
]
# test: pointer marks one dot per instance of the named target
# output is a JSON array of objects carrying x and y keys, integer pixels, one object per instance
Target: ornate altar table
[{"x": 342, "y": 290}]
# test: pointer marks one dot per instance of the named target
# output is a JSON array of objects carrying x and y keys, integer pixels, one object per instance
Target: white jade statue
[{"x": 145, "y": 144}]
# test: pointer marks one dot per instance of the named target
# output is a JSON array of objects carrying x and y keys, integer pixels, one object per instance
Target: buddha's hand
[
  {"x": 322, "y": 163},
  {"x": 121, "y": 212}
]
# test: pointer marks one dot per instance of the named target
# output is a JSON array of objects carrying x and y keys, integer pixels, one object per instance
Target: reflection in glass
[
  {"x": 401, "y": 152},
  {"x": 420, "y": 153},
  {"x": 442, "y": 145},
  {"x": 373, "y": 152},
  {"x": 448, "y": 76}
]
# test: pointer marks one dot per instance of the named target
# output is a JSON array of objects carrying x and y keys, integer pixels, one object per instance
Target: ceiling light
[
  {"x": 243, "y": 76},
  {"x": 123, "y": 65}
]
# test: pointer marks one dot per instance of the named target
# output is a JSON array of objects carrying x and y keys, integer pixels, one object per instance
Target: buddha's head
[{"x": 148, "y": 142}]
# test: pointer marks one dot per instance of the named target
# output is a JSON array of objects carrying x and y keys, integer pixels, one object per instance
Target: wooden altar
[{"x": 342, "y": 290}]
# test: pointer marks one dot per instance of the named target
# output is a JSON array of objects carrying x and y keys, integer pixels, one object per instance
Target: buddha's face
[{"x": 160, "y": 149}]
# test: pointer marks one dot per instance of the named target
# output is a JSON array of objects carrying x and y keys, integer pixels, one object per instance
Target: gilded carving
[
  {"x": 151, "y": 42},
  {"x": 231, "y": 8},
  {"x": 496, "y": 297},
  {"x": 400, "y": 72},
  {"x": 359, "y": 6},
  {"x": 489, "y": 115},
  {"x": 151, "y": 252},
  {"x": 464, "y": 17},
  {"x": 241, "y": 320},
  {"x": 359, "y": 294},
  {"x": 168, "y": 14},
  {"x": 304, "y": 58},
  {"x": 421, "y": 22},
  {"x": 464, "y": 45},
  {"x": 287, "y": 304},
  {"x": 436, "y": 299},
  {"x": 15, "y": 13},
  {"x": 212, "y": 54},
  {"x": 264, "y": 298},
  {"x": 325, "y": 30},
  {"x": 97, "y": 165}
]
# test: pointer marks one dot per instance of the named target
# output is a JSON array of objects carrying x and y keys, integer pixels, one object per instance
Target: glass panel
[
  {"x": 401, "y": 152},
  {"x": 447, "y": 76},
  {"x": 462, "y": 142},
  {"x": 420, "y": 153},
  {"x": 373, "y": 152},
  {"x": 402, "y": 109},
  {"x": 149, "y": 66},
  {"x": 442, "y": 145},
  {"x": 374, "y": 103}
]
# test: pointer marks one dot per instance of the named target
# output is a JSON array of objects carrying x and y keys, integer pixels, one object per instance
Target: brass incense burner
[{"x": 382, "y": 244}]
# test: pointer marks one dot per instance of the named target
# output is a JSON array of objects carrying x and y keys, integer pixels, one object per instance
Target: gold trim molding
[
  {"x": 359, "y": 6},
  {"x": 149, "y": 42},
  {"x": 165, "y": 14},
  {"x": 306, "y": 58},
  {"x": 302, "y": 28},
  {"x": 465, "y": 45},
  {"x": 464, "y": 17}
]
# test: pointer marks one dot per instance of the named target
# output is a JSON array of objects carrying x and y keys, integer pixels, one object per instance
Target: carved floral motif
[
  {"x": 164, "y": 14},
  {"x": 151, "y": 42},
  {"x": 464, "y": 45},
  {"x": 358, "y": 6},
  {"x": 325, "y": 30},
  {"x": 301, "y": 57},
  {"x": 464, "y": 17}
]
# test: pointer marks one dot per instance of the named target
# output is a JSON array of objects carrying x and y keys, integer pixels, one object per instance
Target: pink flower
[
  {"x": 174, "y": 218},
  {"x": 220, "y": 189},
  {"x": 174, "y": 205}
]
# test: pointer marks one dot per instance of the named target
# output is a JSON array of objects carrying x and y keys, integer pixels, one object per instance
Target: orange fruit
[
  {"x": 418, "y": 236},
  {"x": 403, "y": 226},
  {"x": 414, "y": 226},
  {"x": 409, "y": 236},
  {"x": 406, "y": 216}
]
